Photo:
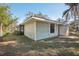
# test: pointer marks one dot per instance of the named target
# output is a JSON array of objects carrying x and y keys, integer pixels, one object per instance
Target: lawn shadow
[{"x": 50, "y": 46}]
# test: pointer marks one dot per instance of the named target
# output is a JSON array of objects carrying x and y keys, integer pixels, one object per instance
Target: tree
[
  {"x": 72, "y": 11},
  {"x": 12, "y": 26},
  {"x": 13, "y": 20},
  {"x": 5, "y": 17}
]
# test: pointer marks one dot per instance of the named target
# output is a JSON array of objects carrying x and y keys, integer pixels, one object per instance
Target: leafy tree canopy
[{"x": 5, "y": 15}]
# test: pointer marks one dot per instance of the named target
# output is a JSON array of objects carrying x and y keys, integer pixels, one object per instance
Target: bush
[{"x": 5, "y": 34}]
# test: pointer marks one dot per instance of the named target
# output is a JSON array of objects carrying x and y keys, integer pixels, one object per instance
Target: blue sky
[{"x": 53, "y": 10}]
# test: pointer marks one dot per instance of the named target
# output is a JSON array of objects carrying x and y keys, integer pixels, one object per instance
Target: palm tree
[
  {"x": 5, "y": 17},
  {"x": 72, "y": 11}
]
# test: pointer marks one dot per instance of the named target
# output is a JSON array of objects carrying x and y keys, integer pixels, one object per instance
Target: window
[{"x": 52, "y": 26}]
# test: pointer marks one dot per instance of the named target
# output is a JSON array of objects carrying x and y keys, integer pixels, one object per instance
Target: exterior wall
[
  {"x": 38, "y": 30},
  {"x": 56, "y": 31},
  {"x": 29, "y": 30},
  {"x": 43, "y": 30},
  {"x": 64, "y": 30}
]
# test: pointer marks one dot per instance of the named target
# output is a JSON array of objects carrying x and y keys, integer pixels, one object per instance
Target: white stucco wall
[
  {"x": 29, "y": 30},
  {"x": 43, "y": 30},
  {"x": 64, "y": 30},
  {"x": 56, "y": 31},
  {"x": 37, "y": 30}
]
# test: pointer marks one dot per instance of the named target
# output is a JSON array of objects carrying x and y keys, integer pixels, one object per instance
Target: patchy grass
[{"x": 20, "y": 45}]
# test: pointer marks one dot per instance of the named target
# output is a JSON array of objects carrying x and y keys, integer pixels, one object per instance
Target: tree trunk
[
  {"x": 75, "y": 16},
  {"x": 1, "y": 30}
]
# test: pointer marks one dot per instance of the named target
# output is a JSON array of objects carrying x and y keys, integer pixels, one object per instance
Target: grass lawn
[{"x": 16, "y": 45}]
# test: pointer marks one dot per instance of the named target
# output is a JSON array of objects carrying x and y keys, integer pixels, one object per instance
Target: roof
[{"x": 41, "y": 19}]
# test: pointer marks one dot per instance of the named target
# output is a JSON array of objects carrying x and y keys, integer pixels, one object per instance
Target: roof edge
[{"x": 41, "y": 19}]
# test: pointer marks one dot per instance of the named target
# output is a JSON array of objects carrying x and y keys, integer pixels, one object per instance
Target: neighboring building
[
  {"x": 20, "y": 29},
  {"x": 38, "y": 28}
]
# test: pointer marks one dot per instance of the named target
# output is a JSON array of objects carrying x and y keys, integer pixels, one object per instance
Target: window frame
[{"x": 52, "y": 28}]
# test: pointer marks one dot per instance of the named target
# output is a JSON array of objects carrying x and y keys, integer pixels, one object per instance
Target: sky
[{"x": 53, "y": 10}]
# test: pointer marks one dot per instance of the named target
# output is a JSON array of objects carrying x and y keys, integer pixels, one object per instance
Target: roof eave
[{"x": 40, "y": 19}]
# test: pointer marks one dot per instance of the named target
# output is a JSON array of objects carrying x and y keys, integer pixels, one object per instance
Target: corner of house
[{"x": 35, "y": 30}]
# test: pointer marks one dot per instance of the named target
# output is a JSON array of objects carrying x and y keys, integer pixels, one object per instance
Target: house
[{"x": 38, "y": 28}]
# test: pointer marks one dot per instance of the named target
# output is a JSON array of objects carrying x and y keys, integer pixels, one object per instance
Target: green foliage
[
  {"x": 5, "y": 15},
  {"x": 66, "y": 14},
  {"x": 13, "y": 20}
]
